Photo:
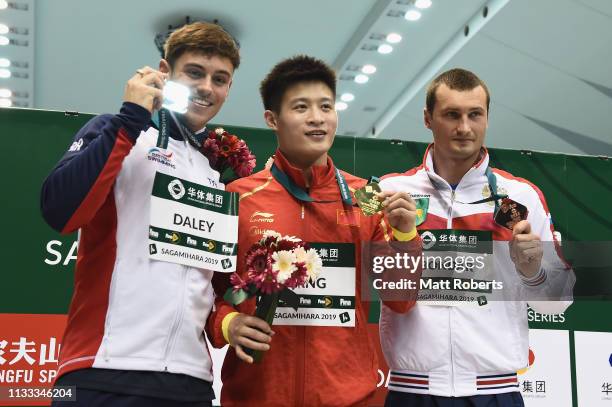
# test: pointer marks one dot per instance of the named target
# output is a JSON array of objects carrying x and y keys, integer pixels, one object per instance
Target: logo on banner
[
  {"x": 428, "y": 240},
  {"x": 176, "y": 189},
  {"x": 226, "y": 263},
  {"x": 152, "y": 248},
  {"x": 345, "y": 317},
  {"x": 531, "y": 362}
]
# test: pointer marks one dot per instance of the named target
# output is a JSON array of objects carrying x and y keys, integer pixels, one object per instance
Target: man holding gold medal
[
  {"x": 319, "y": 354},
  {"x": 153, "y": 218},
  {"x": 461, "y": 345}
]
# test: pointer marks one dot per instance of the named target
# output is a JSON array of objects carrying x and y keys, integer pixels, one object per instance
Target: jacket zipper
[
  {"x": 301, "y": 340},
  {"x": 177, "y": 320},
  {"x": 449, "y": 221},
  {"x": 301, "y": 365},
  {"x": 450, "y": 340},
  {"x": 449, "y": 225}
]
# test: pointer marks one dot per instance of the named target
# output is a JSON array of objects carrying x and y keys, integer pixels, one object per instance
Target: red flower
[
  {"x": 225, "y": 150},
  {"x": 229, "y": 145}
]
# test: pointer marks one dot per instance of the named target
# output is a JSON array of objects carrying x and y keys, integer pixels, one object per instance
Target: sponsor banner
[
  {"x": 457, "y": 268},
  {"x": 547, "y": 380},
  {"x": 330, "y": 300},
  {"x": 593, "y": 368},
  {"x": 193, "y": 225},
  {"x": 29, "y": 351}
]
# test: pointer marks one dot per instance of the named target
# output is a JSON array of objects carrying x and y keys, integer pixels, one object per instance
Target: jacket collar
[
  {"x": 473, "y": 176},
  {"x": 321, "y": 174}
]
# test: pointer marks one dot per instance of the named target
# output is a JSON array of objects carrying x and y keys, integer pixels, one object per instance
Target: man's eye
[
  {"x": 326, "y": 106},
  {"x": 220, "y": 80},
  {"x": 452, "y": 115},
  {"x": 194, "y": 74},
  {"x": 475, "y": 114}
]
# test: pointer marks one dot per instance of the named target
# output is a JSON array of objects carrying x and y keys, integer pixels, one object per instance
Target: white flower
[
  {"x": 219, "y": 131},
  {"x": 269, "y": 163},
  {"x": 271, "y": 233},
  {"x": 314, "y": 264},
  {"x": 283, "y": 264},
  {"x": 292, "y": 239},
  {"x": 300, "y": 254}
]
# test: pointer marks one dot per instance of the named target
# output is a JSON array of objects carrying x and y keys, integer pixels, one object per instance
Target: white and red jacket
[
  {"x": 127, "y": 312},
  {"x": 456, "y": 351}
]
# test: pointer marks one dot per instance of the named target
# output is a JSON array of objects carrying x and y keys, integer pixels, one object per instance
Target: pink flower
[
  {"x": 237, "y": 282},
  {"x": 225, "y": 150}
]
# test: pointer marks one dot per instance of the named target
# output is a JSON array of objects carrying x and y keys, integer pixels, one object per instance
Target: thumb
[{"x": 522, "y": 227}]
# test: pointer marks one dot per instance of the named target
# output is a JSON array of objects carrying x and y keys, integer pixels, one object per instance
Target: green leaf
[{"x": 235, "y": 297}]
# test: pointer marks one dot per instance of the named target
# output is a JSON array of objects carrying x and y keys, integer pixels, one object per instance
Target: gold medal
[{"x": 367, "y": 198}]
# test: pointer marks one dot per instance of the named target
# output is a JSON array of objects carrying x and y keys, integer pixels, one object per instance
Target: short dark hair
[
  {"x": 456, "y": 79},
  {"x": 288, "y": 72},
  {"x": 207, "y": 38}
]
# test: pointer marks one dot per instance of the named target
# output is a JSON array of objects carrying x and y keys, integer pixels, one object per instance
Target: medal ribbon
[
  {"x": 301, "y": 195},
  {"x": 162, "y": 138},
  {"x": 495, "y": 197}
]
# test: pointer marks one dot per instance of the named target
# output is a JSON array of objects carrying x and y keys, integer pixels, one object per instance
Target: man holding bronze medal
[
  {"x": 319, "y": 354},
  {"x": 133, "y": 184},
  {"x": 461, "y": 346}
]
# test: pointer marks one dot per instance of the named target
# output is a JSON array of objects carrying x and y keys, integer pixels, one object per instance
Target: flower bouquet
[
  {"x": 226, "y": 151},
  {"x": 274, "y": 266}
]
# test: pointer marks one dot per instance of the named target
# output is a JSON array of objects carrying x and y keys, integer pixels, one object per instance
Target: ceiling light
[
  {"x": 394, "y": 38},
  {"x": 385, "y": 48},
  {"x": 412, "y": 15},
  {"x": 341, "y": 106},
  {"x": 5, "y": 73},
  {"x": 347, "y": 97},
  {"x": 4, "y": 29},
  {"x": 3, "y": 4},
  {"x": 368, "y": 69},
  {"x": 5, "y": 63},
  {"x": 5, "y": 93},
  {"x": 6, "y": 103},
  {"x": 361, "y": 78},
  {"x": 4, "y": 40},
  {"x": 422, "y": 4}
]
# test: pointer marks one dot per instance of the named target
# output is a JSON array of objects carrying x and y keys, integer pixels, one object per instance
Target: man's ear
[
  {"x": 270, "y": 118},
  {"x": 426, "y": 118},
  {"x": 164, "y": 66}
]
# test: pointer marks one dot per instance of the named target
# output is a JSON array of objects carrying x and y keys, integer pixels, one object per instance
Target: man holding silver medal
[
  {"x": 143, "y": 280},
  {"x": 452, "y": 349}
]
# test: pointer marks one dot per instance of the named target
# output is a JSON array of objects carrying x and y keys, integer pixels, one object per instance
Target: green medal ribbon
[
  {"x": 301, "y": 195},
  {"x": 495, "y": 197},
  {"x": 162, "y": 138}
]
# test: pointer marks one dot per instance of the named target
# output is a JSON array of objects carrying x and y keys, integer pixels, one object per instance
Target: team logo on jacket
[
  {"x": 422, "y": 205},
  {"x": 262, "y": 217},
  {"x": 176, "y": 189},
  {"x": 156, "y": 155},
  {"x": 76, "y": 146}
]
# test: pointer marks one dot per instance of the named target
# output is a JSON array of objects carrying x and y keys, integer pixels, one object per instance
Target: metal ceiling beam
[
  {"x": 362, "y": 31},
  {"x": 458, "y": 41}
]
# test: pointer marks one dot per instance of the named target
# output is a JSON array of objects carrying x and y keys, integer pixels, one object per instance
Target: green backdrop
[{"x": 37, "y": 267}]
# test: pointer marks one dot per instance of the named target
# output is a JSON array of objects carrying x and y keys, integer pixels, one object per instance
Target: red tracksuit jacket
[{"x": 306, "y": 365}]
